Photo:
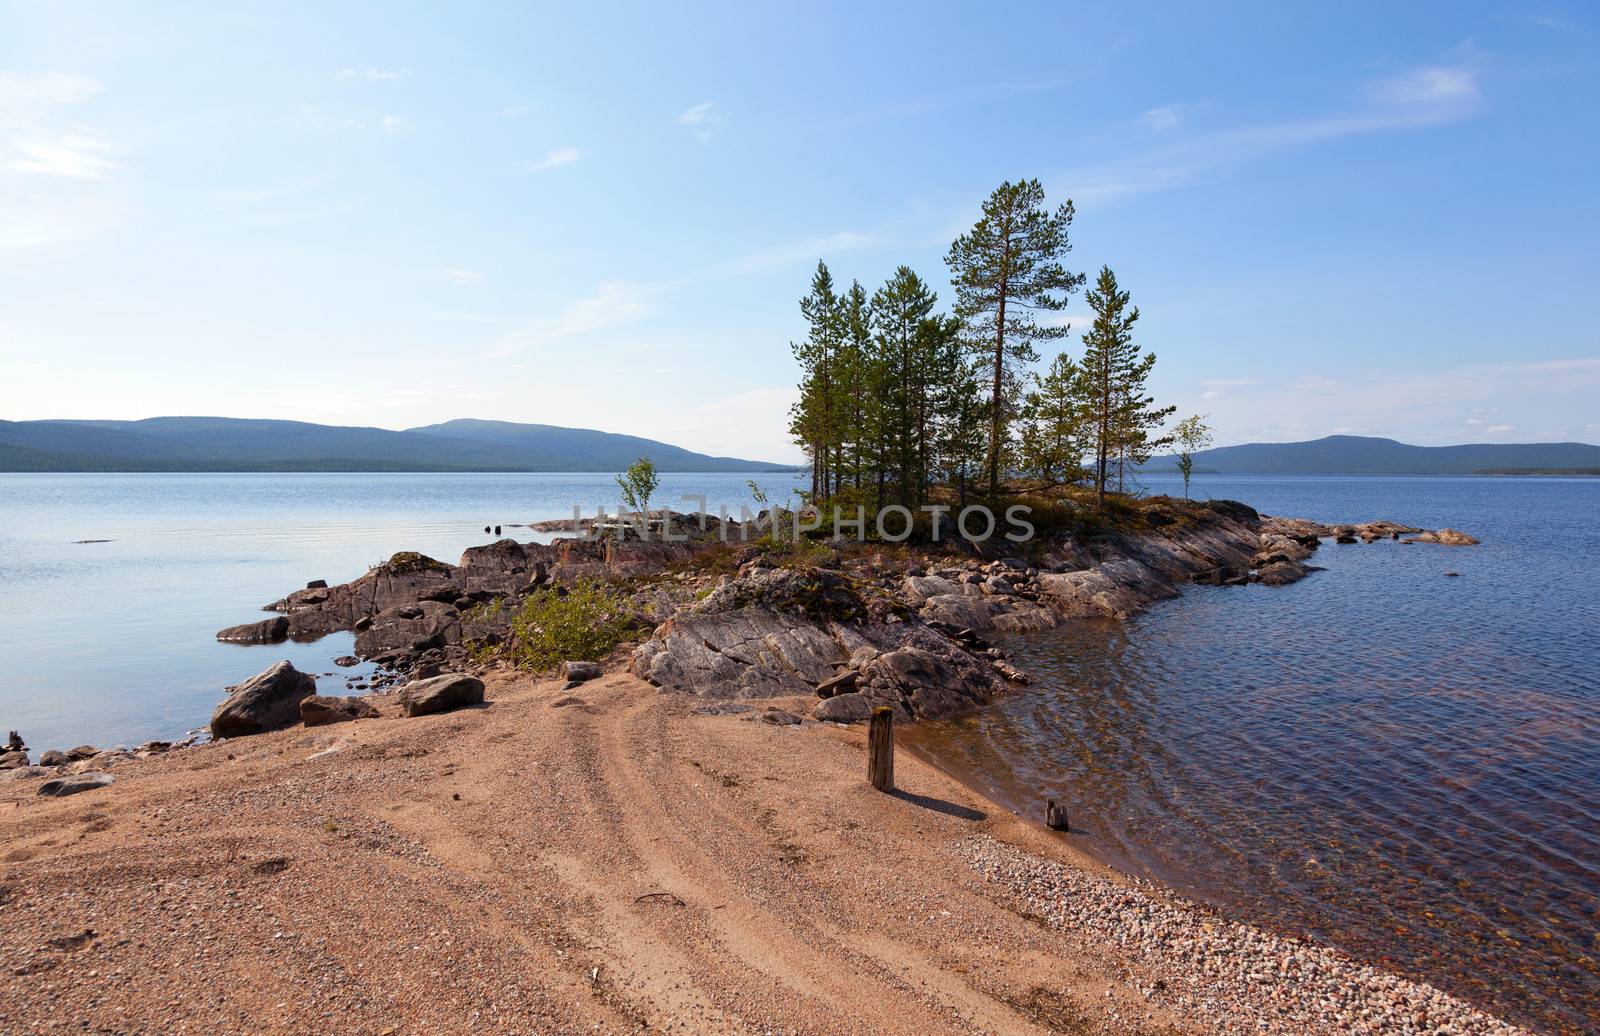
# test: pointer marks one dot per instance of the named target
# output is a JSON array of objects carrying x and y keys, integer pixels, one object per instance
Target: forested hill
[
  {"x": 1361, "y": 455},
  {"x": 232, "y": 444}
]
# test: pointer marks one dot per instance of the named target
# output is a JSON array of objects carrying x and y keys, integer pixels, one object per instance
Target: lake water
[
  {"x": 1396, "y": 761},
  {"x": 114, "y": 642}
]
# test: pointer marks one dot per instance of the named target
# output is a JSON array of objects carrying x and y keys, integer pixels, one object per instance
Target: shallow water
[
  {"x": 1396, "y": 761},
  {"x": 114, "y": 642}
]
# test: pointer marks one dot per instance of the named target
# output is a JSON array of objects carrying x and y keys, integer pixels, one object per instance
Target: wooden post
[
  {"x": 1055, "y": 817},
  {"x": 880, "y": 749}
]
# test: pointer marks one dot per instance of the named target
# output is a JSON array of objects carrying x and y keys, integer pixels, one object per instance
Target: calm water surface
[
  {"x": 1400, "y": 762},
  {"x": 114, "y": 642}
]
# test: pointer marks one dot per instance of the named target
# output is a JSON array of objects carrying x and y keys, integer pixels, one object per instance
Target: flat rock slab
[
  {"x": 440, "y": 694},
  {"x": 266, "y": 631},
  {"x": 321, "y": 709},
  {"x": 63, "y": 786}
]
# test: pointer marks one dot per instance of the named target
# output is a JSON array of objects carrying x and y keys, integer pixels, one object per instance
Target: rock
[
  {"x": 841, "y": 684},
  {"x": 346, "y": 661},
  {"x": 266, "y": 631},
  {"x": 844, "y": 708},
  {"x": 12, "y": 760},
  {"x": 82, "y": 752},
  {"x": 1447, "y": 537},
  {"x": 1282, "y": 573},
  {"x": 63, "y": 786},
  {"x": 580, "y": 672},
  {"x": 320, "y": 710},
  {"x": 1235, "y": 510},
  {"x": 317, "y": 584},
  {"x": 22, "y": 773},
  {"x": 1452, "y": 575},
  {"x": 269, "y": 700},
  {"x": 440, "y": 694},
  {"x": 1011, "y": 672},
  {"x": 54, "y": 758},
  {"x": 778, "y": 717}
]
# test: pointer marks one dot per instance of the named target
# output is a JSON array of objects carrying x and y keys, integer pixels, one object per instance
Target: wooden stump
[
  {"x": 880, "y": 749},
  {"x": 1055, "y": 817}
]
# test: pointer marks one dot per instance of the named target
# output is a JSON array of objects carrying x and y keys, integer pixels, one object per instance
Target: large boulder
[
  {"x": 440, "y": 694},
  {"x": 266, "y": 631},
  {"x": 269, "y": 700},
  {"x": 79, "y": 782},
  {"x": 321, "y": 709}
]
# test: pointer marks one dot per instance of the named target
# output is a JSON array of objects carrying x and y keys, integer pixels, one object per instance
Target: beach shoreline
[{"x": 621, "y": 862}]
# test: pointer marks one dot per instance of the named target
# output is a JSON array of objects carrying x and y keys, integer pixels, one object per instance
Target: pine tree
[
  {"x": 1053, "y": 424},
  {"x": 813, "y": 422},
  {"x": 900, "y": 309},
  {"x": 1004, "y": 269},
  {"x": 1111, "y": 384}
]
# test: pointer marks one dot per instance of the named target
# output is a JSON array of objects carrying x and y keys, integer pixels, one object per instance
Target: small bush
[{"x": 582, "y": 625}]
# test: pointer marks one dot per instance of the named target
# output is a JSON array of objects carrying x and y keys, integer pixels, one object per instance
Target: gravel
[{"x": 1234, "y": 976}]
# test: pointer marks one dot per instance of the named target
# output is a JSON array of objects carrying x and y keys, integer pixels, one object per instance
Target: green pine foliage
[{"x": 898, "y": 400}]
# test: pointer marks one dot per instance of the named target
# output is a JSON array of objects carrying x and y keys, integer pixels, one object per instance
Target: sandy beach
[{"x": 607, "y": 860}]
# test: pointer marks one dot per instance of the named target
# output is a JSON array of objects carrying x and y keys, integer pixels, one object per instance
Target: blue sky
[{"x": 1377, "y": 219}]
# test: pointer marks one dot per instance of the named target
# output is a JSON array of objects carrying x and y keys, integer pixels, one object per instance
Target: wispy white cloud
[
  {"x": 1499, "y": 429},
  {"x": 613, "y": 303},
  {"x": 1423, "y": 98},
  {"x": 1430, "y": 86},
  {"x": 1164, "y": 118},
  {"x": 808, "y": 251},
  {"x": 371, "y": 73},
  {"x": 394, "y": 124},
  {"x": 459, "y": 276},
  {"x": 703, "y": 121},
  {"x": 36, "y": 139},
  {"x": 555, "y": 160}
]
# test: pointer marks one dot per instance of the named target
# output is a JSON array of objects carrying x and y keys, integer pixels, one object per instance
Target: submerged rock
[
  {"x": 269, "y": 700},
  {"x": 1447, "y": 537}
]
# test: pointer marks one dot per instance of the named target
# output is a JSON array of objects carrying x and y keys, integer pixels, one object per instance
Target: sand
[{"x": 615, "y": 864}]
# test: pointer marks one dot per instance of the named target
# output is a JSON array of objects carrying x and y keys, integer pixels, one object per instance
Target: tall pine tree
[
  {"x": 1111, "y": 385},
  {"x": 813, "y": 421},
  {"x": 1004, "y": 269}
]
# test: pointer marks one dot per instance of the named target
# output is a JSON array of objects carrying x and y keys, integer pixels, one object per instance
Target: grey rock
[
  {"x": 346, "y": 661},
  {"x": 269, "y": 700},
  {"x": 12, "y": 760},
  {"x": 22, "y": 773},
  {"x": 844, "y": 708},
  {"x": 54, "y": 758},
  {"x": 580, "y": 672},
  {"x": 440, "y": 694},
  {"x": 266, "y": 631},
  {"x": 320, "y": 710},
  {"x": 81, "y": 782}
]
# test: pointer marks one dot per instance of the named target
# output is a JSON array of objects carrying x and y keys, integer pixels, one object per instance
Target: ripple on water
[{"x": 1400, "y": 764}]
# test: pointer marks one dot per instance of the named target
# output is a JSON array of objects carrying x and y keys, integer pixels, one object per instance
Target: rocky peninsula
[{"x": 677, "y": 839}]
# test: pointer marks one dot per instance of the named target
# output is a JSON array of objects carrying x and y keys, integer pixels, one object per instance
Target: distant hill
[
  {"x": 1361, "y": 455},
  {"x": 233, "y": 444}
]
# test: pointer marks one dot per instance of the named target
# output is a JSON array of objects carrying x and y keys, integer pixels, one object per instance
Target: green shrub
[{"x": 582, "y": 625}]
